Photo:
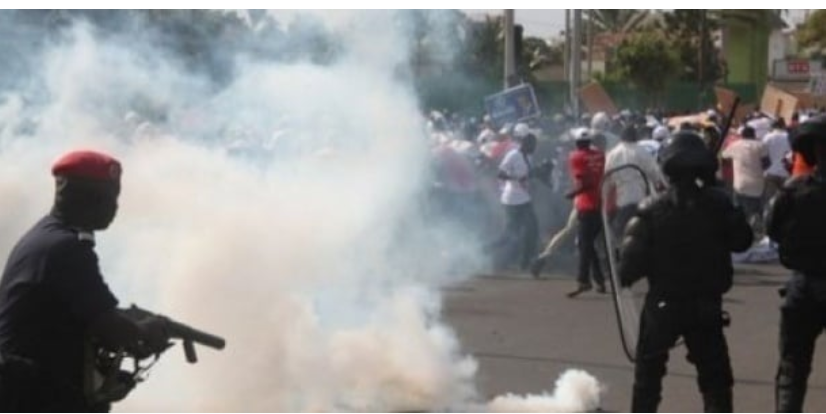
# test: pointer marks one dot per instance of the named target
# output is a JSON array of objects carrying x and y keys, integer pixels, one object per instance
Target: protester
[
  {"x": 778, "y": 146},
  {"x": 587, "y": 165},
  {"x": 749, "y": 158},
  {"x": 629, "y": 186},
  {"x": 521, "y": 233}
]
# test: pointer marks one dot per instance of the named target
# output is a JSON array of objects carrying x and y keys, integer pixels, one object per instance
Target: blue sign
[{"x": 512, "y": 105}]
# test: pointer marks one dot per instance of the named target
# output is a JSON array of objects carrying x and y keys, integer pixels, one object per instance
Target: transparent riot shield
[{"x": 627, "y": 301}]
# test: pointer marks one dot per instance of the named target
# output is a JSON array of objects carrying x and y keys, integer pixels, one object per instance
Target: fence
[{"x": 465, "y": 95}]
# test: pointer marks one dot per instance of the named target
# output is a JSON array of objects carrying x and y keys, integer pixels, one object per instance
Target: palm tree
[{"x": 617, "y": 20}]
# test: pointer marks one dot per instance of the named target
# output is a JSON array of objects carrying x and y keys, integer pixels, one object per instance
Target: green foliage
[
  {"x": 689, "y": 31},
  {"x": 812, "y": 33},
  {"x": 648, "y": 61}
]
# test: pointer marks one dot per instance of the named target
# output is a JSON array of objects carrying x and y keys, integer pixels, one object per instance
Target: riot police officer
[
  {"x": 797, "y": 222},
  {"x": 681, "y": 241},
  {"x": 53, "y": 298}
]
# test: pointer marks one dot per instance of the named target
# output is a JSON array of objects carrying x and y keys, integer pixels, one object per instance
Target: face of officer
[{"x": 86, "y": 204}]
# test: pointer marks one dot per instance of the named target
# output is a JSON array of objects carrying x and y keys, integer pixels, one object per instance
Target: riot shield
[{"x": 627, "y": 301}]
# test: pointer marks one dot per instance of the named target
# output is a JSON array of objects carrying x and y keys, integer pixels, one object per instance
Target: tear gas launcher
[{"x": 107, "y": 380}]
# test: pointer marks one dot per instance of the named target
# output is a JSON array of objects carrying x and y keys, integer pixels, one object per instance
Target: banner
[
  {"x": 596, "y": 99},
  {"x": 512, "y": 105}
]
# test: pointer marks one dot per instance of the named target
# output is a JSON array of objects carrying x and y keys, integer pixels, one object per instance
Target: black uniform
[
  {"x": 682, "y": 241},
  {"x": 51, "y": 290},
  {"x": 797, "y": 221}
]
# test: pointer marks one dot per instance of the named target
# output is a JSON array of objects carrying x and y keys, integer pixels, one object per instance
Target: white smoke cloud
[
  {"x": 306, "y": 249},
  {"x": 576, "y": 392}
]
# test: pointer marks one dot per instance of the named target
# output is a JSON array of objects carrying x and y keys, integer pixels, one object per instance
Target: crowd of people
[{"x": 679, "y": 201}]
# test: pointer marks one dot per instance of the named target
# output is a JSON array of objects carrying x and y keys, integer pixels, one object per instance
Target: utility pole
[
  {"x": 576, "y": 61},
  {"x": 701, "y": 59},
  {"x": 510, "y": 50},
  {"x": 590, "y": 45},
  {"x": 566, "y": 48}
]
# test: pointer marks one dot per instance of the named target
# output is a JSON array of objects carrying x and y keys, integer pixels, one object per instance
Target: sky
[
  {"x": 548, "y": 23},
  {"x": 537, "y": 22}
]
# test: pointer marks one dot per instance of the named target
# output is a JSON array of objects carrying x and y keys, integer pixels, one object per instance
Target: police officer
[
  {"x": 681, "y": 240},
  {"x": 53, "y": 298},
  {"x": 797, "y": 222}
]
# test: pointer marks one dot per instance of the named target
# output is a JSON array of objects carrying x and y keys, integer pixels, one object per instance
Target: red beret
[{"x": 87, "y": 164}]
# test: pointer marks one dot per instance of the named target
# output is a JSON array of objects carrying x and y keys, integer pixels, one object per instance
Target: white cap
[
  {"x": 660, "y": 133},
  {"x": 521, "y": 130},
  {"x": 600, "y": 121},
  {"x": 581, "y": 134}
]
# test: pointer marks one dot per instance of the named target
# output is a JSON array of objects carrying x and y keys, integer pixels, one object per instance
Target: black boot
[
  {"x": 790, "y": 388},
  {"x": 644, "y": 404},
  {"x": 718, "y": 402},
  {"x": 787, "y": 397}
]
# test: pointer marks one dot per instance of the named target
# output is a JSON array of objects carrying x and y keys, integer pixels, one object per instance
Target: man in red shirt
[{"x": 587, "y": 165}]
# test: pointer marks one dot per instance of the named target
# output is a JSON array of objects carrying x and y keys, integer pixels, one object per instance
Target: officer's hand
[{"x": 154, "y": 335}]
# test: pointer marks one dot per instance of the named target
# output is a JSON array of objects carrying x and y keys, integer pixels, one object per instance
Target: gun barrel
[{"x": 181, "y": 331}]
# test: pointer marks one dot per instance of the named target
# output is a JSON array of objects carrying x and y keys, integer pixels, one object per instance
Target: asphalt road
[{"x": 525, "y": 332}]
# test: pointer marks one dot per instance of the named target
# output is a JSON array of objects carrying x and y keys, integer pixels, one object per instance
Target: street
[{"x": 525, "y": 333}]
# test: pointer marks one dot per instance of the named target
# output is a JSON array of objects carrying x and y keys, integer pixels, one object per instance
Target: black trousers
[
  {"x": 801, "y": 322},
  {"x": 590, "y": 226},
  {"x": 519, "y": 242},
  {"x": 700, "y": 323}
]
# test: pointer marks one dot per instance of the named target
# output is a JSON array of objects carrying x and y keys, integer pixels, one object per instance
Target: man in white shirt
[
  {"x": 777, "y": 144},
  {"x": 601, "y": 126},
  {"x": 627, "y": 185},
  {"x": 749, "y": 159},
  {"x": 521, "y": 231},
  {"x": 659, "y": 134}
]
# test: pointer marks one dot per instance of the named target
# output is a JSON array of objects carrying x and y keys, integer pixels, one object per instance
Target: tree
[
  {"x": 811, "y": 34},
  {"x": 689, "y": 30},
  {"x": 537, "y": 52},
  {"x": 617, "y": 20},
  {"x": 648, "y": 61},
  {"x": 485, "y": 48}
]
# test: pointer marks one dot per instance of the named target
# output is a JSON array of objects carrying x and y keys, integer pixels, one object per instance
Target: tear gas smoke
[
  {"x": 576, "y": 392},
  {"x": 280, "y": 210}
]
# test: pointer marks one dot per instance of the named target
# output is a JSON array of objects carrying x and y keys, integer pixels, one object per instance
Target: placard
[
  {"x": 512, "y": 105},
  {"x": 596, "y": 99},
  {"x": 778, "y": 103}
]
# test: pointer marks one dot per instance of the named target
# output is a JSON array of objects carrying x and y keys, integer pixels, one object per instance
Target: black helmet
[
  {"x": 806, "y": 135},
  {"x": 687, "y": 156}
]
